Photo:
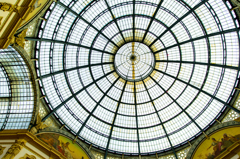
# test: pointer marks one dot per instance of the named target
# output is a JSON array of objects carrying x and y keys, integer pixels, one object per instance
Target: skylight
[{"x": 138, "y": 77}]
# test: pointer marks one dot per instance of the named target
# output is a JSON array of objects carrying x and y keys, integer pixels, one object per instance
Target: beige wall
[{"x": 235, "y": 157}]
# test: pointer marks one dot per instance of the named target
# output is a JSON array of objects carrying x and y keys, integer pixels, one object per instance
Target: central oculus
[
  {"x": 134, "y": 61},
  {"x": 132, "y": 57}
]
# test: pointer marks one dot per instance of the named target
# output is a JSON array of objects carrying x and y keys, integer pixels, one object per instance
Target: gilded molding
[
  {"x": 20, "y": 39},
  {"x": 14, "y": 18},
  {"x": 1, "y": 149},
  {"x": 32, "y": 140},
  {"x": 15, "y": 149},
  {"x": 27, "y": 156},
  {"x": 7, "y": 7},
  {"x": 39, "y": 125}
]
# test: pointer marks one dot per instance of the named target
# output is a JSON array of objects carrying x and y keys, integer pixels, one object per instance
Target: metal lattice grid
[
  {"x": 16, "y": 96},
  {"x": 195, "y": 47}
]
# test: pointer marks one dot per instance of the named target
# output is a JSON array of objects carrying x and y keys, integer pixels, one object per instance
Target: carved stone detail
[
  {"x": 39, "y": 125},
  {"x": 1, "y": 149},
  {"x": 14, "y": 149},
  {"x": 27, "y": 156},
  {"x": 7, "y": 7},
  {"x": 236, "y": 2},
  {"x": 20, "y": 39}
]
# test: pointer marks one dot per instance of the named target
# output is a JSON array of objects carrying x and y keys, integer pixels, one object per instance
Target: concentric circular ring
[
  {"x": 134, "y": 61},
  {"x": 187, "y": 64}
]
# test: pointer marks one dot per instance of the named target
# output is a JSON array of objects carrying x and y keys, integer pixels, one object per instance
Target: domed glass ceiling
[
  {"x": 138, "y": 76},
  {"x": 134, "y": 61}
]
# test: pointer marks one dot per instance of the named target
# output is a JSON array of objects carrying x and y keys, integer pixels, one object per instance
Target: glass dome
[
  {"x": 134, "y": 61},
  {"x": 138, "y": 76}
]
